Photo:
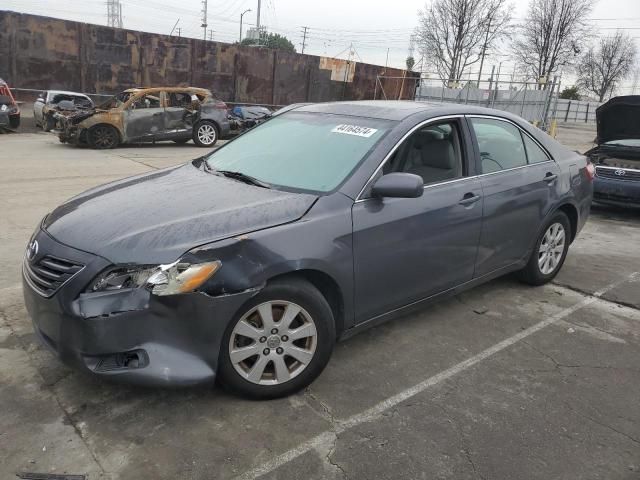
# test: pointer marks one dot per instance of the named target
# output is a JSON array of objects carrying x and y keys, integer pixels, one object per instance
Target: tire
[
  {"x": 14, "y": 121},
  {"x": 266, "y": 369},
  {"x": 205, "y": 134},
  {"x": 48, "y": 125},
  {"x": 181, "y": 141},
  {"x": 102, "y": 137},
  {"x": 542, "y": 269}
]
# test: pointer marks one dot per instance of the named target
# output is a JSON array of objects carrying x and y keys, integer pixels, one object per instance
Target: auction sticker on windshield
[{"x": 355, "y": 130}]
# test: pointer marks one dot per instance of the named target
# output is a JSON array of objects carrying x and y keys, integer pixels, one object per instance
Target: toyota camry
[{"x": 248, "y": 264}]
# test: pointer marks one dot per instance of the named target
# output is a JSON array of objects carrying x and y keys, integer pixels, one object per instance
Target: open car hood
[{"x": 619, "y": 119}]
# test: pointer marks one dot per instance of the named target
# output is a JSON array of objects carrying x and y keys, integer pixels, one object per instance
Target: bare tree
[
  {"x": 551, "y": 36},
  {"x": 604, "y": 67},
  {"x": 455, "y": 34}
]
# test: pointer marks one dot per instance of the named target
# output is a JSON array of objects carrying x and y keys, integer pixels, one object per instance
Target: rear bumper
[
  {"x": 616, "y": 192},
  {"x": 173, "y": 340}
]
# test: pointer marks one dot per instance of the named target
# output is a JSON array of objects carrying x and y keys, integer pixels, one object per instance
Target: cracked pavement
[{"x": 561, "y": 403}]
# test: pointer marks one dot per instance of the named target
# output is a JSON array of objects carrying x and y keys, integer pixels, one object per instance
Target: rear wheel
[
  {"x": 103, "y": 137},
  {"x": 550, "y": 251},
  {"x": 205, "y": 134},
  {"x": 279, "y": 342}
]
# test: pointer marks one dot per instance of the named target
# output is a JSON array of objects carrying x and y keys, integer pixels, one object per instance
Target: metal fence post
[
  {"x": 586, "y": 115},
  {"x": 493, "y": 69},
  {"x": 524, "y": 96},
  {"x": 566, "y": 115}
]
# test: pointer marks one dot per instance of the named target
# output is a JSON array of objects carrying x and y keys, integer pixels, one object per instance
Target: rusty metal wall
[{"x": 47, "y": 53}]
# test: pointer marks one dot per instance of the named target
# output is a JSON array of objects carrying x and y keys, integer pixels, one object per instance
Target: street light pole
[{"x": 242, "y": 15}]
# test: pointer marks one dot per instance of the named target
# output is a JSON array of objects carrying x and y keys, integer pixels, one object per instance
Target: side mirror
[{"x": 398, "y": 185}]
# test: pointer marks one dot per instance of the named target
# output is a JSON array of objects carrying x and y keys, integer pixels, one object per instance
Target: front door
[
  {"x": 144, "y": 118},
  {"x": 518, "y": 181},
  {"x": 407, "y": 249}
]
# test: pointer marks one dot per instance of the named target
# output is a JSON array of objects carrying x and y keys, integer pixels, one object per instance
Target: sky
[{"x": 366, "y": 30}]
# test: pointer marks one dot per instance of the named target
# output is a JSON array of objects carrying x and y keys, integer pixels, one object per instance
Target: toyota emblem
[
  {"x": 32, "y": 250},
  {"x": 621, "y": 173}
]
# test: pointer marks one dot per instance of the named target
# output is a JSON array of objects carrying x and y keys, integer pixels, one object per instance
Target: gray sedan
[{"x": 247, "y": 265}]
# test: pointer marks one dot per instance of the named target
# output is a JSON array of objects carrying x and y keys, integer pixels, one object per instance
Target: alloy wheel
[
  {"x": 207, "y": 134},
  {"x": 273, "y": 342},
  {"x": 104, "y": 137},
  {"x": 551, "y": 248}
]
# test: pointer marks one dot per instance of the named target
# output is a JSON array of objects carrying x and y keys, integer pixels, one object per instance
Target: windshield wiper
[{"x": 243, "y": 177}]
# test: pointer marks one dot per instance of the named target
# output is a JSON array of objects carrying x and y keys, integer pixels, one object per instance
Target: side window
[
  {"x": 500, "y": 145},
  {"x": 433, "y": 153},
  {"x": 534, "y": 153},
  {"x": 146, "y": 101},
  {"x": 179, "y": 99}
]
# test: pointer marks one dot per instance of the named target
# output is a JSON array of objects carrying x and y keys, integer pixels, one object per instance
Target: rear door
[
  {"x": 518, "y": 180},
  {"x": 144, "y": 118},
  {"x": 179, "y": 112},
  {"x": 407, "y": 249}
]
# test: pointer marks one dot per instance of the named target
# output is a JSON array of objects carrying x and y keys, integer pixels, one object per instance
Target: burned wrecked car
[
  {"x": 137, "y": 115},
  {"x": 9, "y": 110},
  {"x": 52, "y": 102},
  {"x": 617, "y": 154}
]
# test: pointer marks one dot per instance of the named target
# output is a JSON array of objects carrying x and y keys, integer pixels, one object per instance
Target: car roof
[
  {"x": 397, "y": 110},
  {"x": 65, "y": 92},
  {"x": 196, "y": 90}
]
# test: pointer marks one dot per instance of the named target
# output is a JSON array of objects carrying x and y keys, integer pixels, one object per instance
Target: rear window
[{"x": 302, "y": 151}]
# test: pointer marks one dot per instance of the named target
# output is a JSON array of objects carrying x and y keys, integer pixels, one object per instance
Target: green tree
[
  {"x": 570, "y": 93},
  {"x": 410, "y": 63},
  {"x": 271, "y": 40}
]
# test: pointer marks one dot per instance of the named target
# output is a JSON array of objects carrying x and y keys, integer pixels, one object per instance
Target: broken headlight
[{"x": 168, "y": 279}]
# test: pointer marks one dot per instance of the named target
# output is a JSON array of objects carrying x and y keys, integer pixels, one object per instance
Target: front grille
[
  {"x": 49, "y": 273},
  {"x": 610, "y": 172}
]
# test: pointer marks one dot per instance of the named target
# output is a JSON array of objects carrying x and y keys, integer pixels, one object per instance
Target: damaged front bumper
[{"x": 129, "y": 335}]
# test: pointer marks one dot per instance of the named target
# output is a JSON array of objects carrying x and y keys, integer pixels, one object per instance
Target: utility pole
[
  {"x": 179, "y": 31},
  {"x": 114, "y": 13},
  {"x": 484, "y": 51},
  {"x": 242, "y": 15},
  {"x": 174, "y": 27},
  {"x": 204, "y": 19},
  {"x": 258, "y": 20},
  {"x": 386, "y": 62},
  {"x": 304, "y": 38}
]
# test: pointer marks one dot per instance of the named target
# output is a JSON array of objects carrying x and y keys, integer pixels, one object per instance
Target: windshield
[
  {"x": 116, "y": 101},
  {"x": 302, "y": 151},
  {"x": 631, "y": 142}
]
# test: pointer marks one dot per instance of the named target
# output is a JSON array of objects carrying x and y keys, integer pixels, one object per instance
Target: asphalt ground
[{"x": 505, "y": 381}]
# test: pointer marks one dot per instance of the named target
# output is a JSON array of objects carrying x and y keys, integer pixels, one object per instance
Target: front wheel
[
  {"x": 103, "y": 137},
  {"x": 205, "y": 134},
  {"x": 550, "y": 251},
  {"x": 279, "y": 341}
]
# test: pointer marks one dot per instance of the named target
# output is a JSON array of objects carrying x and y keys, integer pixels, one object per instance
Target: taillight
[{"x": 591, "y": 171}]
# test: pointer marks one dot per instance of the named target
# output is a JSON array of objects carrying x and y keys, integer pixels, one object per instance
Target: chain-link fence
[{"x": 534, "y": 101}]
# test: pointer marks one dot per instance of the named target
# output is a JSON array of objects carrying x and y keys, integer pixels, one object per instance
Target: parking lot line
[{"x": 327, "y": 438}]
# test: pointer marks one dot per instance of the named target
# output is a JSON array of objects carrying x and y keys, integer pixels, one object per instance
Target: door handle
[
  {"x": 550, "y": 177},
  {"x": 469, "y": 199}
]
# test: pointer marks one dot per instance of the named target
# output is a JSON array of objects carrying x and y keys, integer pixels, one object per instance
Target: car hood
[
  {"x": 619, "y": 119},
  {"x": 154, "y": 218}
]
